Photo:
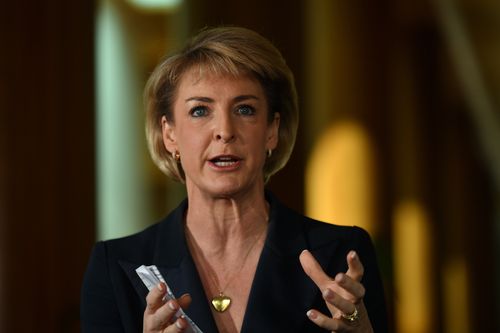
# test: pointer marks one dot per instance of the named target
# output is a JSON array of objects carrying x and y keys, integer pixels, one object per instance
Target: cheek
[
  {"x": 192, "y": 147},
  {"x": 259, "y": 149}
]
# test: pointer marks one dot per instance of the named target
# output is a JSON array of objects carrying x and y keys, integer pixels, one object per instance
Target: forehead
[{"x": 201, "y": 77}]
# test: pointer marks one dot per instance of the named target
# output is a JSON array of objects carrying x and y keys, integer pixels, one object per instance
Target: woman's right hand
[{"x": 159, "y": 315}]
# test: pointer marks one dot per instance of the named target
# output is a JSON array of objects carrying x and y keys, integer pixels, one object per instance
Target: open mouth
[{"x": 225, "y": 161}]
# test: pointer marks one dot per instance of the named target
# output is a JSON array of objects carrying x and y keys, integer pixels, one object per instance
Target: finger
[
  {"x": 163, "y": 316},
  {"x": 343, "y": 305},
  {"x": 154, "y": 299},
  {"x": 355, "y": 290},
  {"x": 330, "y": 324},
  {"x": 313, "y": 269},
  {"x": 356, "y": 269},
  {"x": 184, "y": 301},
  {"x": 179, "y": 326}
]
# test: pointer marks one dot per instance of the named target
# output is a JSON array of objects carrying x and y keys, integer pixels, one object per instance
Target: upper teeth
[{"x": 224, "y": 163}]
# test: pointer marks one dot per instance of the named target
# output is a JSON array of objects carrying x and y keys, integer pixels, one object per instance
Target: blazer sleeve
[
  {"x": 98, "y": 308},
  {"x": 374, "y": 299}
]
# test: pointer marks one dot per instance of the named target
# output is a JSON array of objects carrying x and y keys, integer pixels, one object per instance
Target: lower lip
[{"x": 225, "y": 166}]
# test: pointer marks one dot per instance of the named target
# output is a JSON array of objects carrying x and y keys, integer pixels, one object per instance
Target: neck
[{"x": 221, "y": 224}]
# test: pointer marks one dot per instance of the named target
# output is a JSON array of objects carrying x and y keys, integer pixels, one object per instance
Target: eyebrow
[{"x": 210, "y": 100}]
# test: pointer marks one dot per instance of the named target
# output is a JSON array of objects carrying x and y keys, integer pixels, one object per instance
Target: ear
[
  {"x": 168, "y": 135},
  {"x": 273, "y": 132}
]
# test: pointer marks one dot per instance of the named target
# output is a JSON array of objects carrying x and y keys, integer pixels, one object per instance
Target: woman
[{"x": 222, "y": 117}]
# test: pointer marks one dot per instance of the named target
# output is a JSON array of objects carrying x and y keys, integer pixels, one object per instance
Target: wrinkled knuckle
[
  {"x": 326, "y": 323},
  {"x": 150, "y": 306},
  {"x": 321, "y": 321},
  {"x": 362, "y": 291},
  {"x": 150, "y": 298},
  {"x": 358, "y": 277},
  {"x": 161, "y": 322},
  {"x": 329, "y": 296}
]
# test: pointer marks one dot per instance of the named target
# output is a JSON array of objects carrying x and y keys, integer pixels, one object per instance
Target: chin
[
  {"x": 229, "y": 189},
  {"x": 227, "y": 186}
]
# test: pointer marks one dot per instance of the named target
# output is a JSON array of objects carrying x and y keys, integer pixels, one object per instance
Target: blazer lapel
[
  {"x": 173, "y": 260},
  {"x": 129, "y": 269},
  {"x": 281, "y": 292},
  {"x": 185, "y": 279}
]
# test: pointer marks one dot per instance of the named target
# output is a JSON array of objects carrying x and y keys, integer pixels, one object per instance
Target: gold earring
[
  {"x": 269, "y": 153},
  {"x": 176, "y": 155}
]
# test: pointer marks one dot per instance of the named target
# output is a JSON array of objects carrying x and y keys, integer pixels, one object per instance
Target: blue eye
[
  {"x": 245, "y": 110},
  {"x": 198, "y": 111}
]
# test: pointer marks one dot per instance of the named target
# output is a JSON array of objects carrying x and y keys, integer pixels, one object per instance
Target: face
[{"x": 222, "y": 133}]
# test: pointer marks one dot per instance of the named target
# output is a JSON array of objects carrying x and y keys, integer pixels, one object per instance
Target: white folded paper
[{"x": 151, "y": 277}]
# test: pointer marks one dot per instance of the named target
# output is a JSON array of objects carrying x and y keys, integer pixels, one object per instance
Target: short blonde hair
[{"x": 223, "y": 50}]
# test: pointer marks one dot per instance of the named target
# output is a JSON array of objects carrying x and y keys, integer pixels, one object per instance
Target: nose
[{"x": 224, "y": 129}]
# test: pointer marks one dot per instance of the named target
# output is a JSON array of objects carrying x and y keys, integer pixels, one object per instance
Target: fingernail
[
  {"x": 339, "y": 277},
  {"x": 184, "y": 296},
  {"x": 172, "y": 305},
  {"x": 311, "y": 314},
  {"x": 178, "y": 324},
  {"x": 352, "y": 254},
  {"x": 161, "y": 287}
]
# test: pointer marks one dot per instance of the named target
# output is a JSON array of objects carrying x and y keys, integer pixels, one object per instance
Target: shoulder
[
  {"x": 142, "y": 246},
  {"x": 111, "y": 260},
  {"x": 319, "y": 231},
  {"x": 342, "y": 238},
  {"x": 291, "y": 232},
  {"x": 335, "y": 231},
  {"x": 108, "y": 298},
  {"x": 131, "y": 247},
  {"x": 104, "y": 261}
]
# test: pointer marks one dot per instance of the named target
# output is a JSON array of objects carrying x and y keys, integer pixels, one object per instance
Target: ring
[{"x": 351, "y": 317}]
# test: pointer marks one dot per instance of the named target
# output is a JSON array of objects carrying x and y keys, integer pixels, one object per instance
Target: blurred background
[{"x": 399, "y": 134}]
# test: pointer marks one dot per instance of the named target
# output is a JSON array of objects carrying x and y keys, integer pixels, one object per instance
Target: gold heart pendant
[{"x": 221, "y": 303}]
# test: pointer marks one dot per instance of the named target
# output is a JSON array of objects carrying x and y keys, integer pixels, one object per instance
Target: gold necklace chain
[{"x": 221, "y": 302}]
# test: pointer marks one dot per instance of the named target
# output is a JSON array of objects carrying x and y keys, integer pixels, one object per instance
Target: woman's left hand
[{"x": 343, "y": 295}]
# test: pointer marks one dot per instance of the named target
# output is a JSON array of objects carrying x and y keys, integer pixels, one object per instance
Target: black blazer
[{"x": 113, "y": 296}]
